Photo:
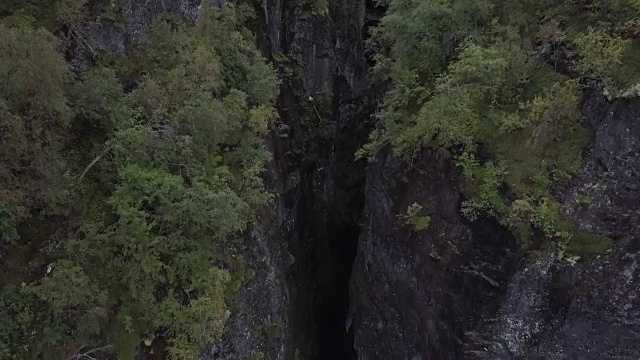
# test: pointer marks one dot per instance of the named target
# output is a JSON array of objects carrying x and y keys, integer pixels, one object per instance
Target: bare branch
[
  {"x": 87, "y": 355},
  {"x": 86, "y": 170}
]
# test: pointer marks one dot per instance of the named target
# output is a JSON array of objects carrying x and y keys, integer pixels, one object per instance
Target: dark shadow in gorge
[
  {"x": 330, "y": 206},
  {"x": 331, "y": 303},
  {"x": 336, "y": 251},
  {"x": 331, "y": 217},
  {"x": 321, "y": 181}
]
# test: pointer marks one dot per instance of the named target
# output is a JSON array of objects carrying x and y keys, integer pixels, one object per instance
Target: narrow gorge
[
  {"x": 444, "y": 180},
  {"x": 462, "y": 289}
]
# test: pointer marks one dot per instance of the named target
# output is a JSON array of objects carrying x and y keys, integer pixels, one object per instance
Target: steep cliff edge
[
  {"x": 301, "y": 249},
  {"x": 458, "y": 290},
  {"x": 324, "y": 109},
  {"x": 416, "y": 292}
]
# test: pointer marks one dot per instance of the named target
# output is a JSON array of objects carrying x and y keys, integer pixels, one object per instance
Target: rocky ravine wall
[
  {"x": 303, "y": 248},
  {"x": 415, "y": 294},
  {"x": 458, "y": 290},
  {"x": 325, "y": 105},
  {"x": 259, "y": 323},
  {"x": 303, "y": 245}
]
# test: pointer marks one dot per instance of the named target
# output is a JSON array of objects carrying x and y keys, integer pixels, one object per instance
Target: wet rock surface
[
  {"x": 609, "y": 177},
  {"x": 415, "y": 294},
  {"x": 451, "y": 293},
  {"x": 603, "y": 312}
]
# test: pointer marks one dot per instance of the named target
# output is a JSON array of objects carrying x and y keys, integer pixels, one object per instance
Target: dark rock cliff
[
  {"x": 302, "y": 248},
  {"x": 458, "y": 291},
  {"x": 416, "y": 293},
  {"x": 324, "y": 106},
  {"x": 304, "y": 252}
]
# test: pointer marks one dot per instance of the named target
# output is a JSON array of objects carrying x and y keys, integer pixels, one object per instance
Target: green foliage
[
  {"x": 8, "y": 231},
  {"x": 51, "y": 14},
  {"x": 540, "y": 212},
  {"x": 420, "y": 36},
  {"x": 112, "y": 14},
  {"x": 33, "y": 118},
  {"x": 70, "y": 12},
  {"x": 272, "y": 333},
  {"x": 97, "y": 101},
  {"x": 583, "y": 199},
  {"x": 482, "y": 76},
  {"x": 601, "y": 54},
  {"x": 152, "y": 185},
  {"x": 413, "y": 217},
  {"x": 586, "y": 245},
  {"x": 553, "y": 114},
  {"x": 482, "y": 187},
  {"x": 464, "y": 78},
  {"x": 67, "y": 287},
  {"x": 33, "y": 74}
]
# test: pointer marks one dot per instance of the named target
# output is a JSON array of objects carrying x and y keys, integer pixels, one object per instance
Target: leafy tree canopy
[
  {"x": 133, "y": 196},
  {"x": 486, "y": 78}
]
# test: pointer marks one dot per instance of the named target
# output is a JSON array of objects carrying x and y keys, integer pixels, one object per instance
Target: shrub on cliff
[
  {"x": 463, "y": 77},
  {"x": 119, "y": 206}
]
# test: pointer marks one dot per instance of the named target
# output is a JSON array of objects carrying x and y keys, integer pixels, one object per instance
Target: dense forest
[
  {"x": 125, "y": 181},
  {"x": 124, "y": 185},
  {"x": 499, "y": 84}
]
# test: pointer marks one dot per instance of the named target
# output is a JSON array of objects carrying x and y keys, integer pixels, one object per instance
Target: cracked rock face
[
  {"x": 418, "y": 294},
  {"x": 602, "y": 317},
  {"x": 524, "y": 310},
  {"x": 141, "y": 13},
  {"x": 609, "y": 177},
  {"x": 138, "y": 15},
  {"x": 425, "y": 295}
]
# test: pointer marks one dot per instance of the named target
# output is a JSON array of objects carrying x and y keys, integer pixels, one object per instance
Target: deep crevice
[
  {"x": 337, "y": 252},
  {"x": 331, "y": 304},
  {"x": 329, "y": 230},
  {"x": 318, "y": 155},
  {"x": 331, "y": 200}
]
